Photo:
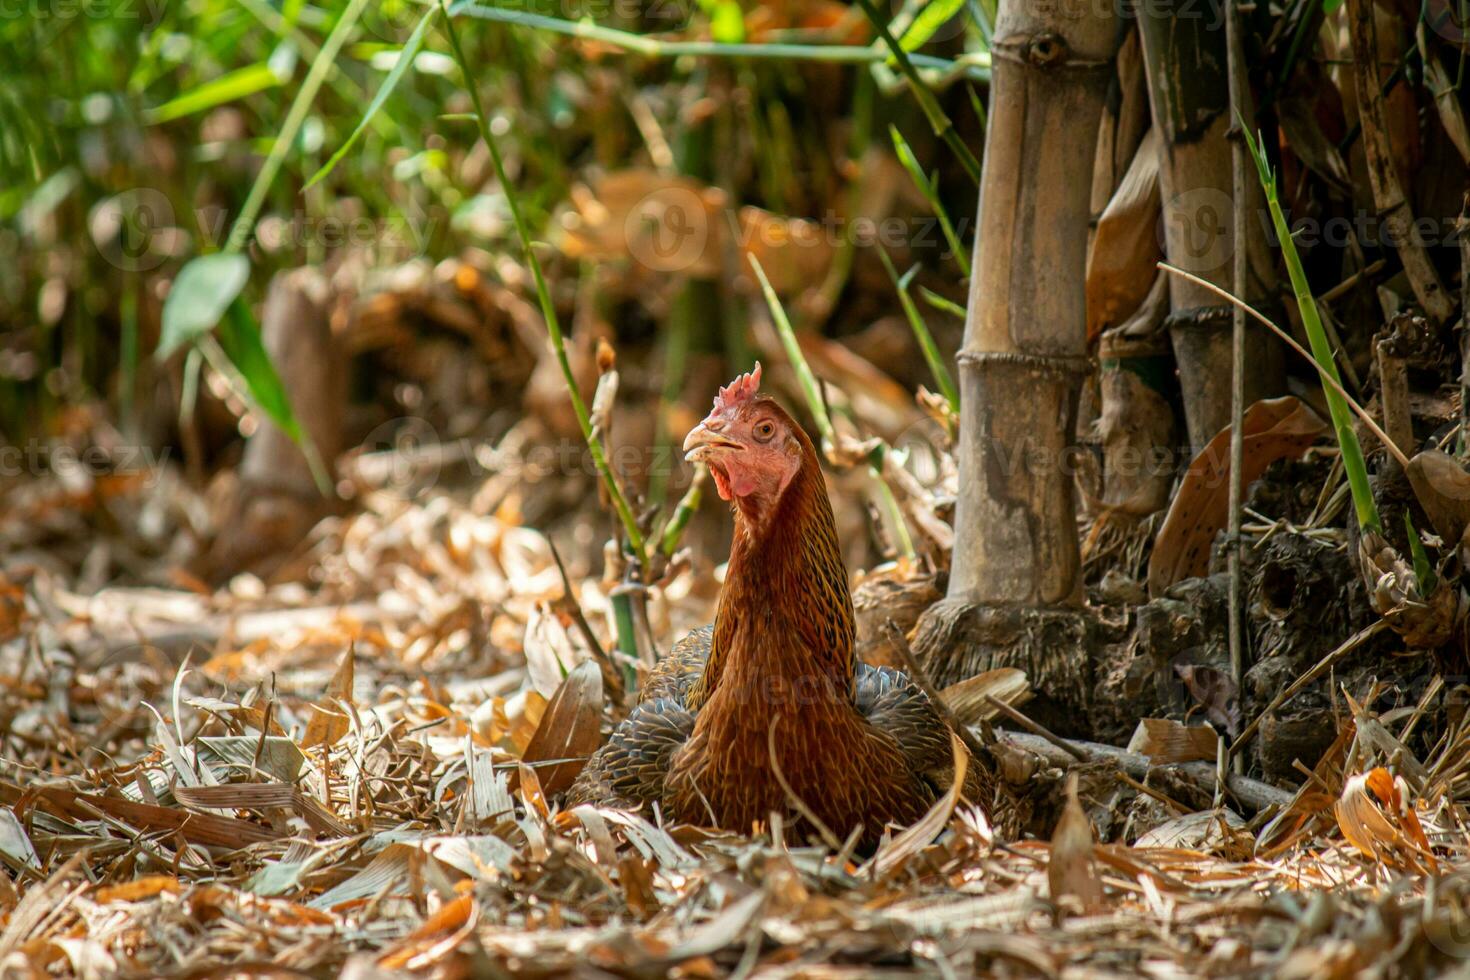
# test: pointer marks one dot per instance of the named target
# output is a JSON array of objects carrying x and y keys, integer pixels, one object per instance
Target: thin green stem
[
  {"x": 921, "y": 333},
  {"x": 321, "y": 66},
  {"x": 548, "y": 308},
  {"x": 653, "y": 47},
  {"x": 943, "y": 127},
  {"x": 1342, "y": 419},
  {"x": 813, "y": 395}
]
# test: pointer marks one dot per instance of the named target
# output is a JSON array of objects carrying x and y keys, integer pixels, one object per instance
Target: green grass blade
[
  {"x": 921, "y": 333},
  {"x": 936, "y": 14},
  {"x": 808, "y": 381},
  {"x": 395, "y": 75},
  {"x": 931, "y": 194},
  {"x": 1342, "y": 419},
  {"x": 942, "y": 303},
  {"x": 229, "y": 87},
  {"x": 548, "y": 307}
]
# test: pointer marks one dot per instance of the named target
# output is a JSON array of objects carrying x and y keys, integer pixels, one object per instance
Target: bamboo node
[
  {"x": 1045, "y": 49},
  {"x": 1055, "y": 364}
]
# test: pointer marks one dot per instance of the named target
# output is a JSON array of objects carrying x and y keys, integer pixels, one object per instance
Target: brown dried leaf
[
  {"x": 967, "y": 698},
  {"x": 1166, "y": 741},
  {"x": 1376, "y": 816},
  {"x": 329, "y": 722},
  {"x": 570, "y": 729},
  {"x": 899, "y": 849},
  {"x": 1069, "y": 870},
  {"x": 1121, "y": 264},
  {"x": 1273, "y": 428}
]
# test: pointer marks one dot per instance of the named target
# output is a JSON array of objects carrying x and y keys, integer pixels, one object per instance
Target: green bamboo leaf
[
  {"x": 239, "y": 337},
  {"x": 942, "y": 303},
  {"x": 931, "y": 194},
  {"x": 935, "y": 15},
  {"x": 395, "y": 75},
  {"x": 921, "y": 332},
  {"x": 1423, "y": 571},
  {"x": 204, "y": 289},
  {"x": 229, "y": 87},
  {"x": 1353, "y": 463}
]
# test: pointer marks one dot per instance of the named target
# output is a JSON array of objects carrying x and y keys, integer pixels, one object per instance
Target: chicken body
[{"x": 772, "y": 693}]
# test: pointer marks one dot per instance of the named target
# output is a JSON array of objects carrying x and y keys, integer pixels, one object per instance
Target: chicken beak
[{"x": 702, "y": 443}]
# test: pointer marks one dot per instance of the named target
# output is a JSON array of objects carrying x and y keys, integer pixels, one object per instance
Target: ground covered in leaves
[{"x": 338, "y": 785}]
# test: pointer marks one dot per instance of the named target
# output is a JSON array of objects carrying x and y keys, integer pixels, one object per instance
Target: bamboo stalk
[
  {"x": 1242, "y": 109},
  {"x": 1383, "y": 176}
]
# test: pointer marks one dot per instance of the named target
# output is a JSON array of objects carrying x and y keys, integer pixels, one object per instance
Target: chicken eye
[{"x": 765, "y": 430}]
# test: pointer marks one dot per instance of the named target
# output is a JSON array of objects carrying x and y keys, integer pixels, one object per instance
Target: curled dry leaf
[
  {"x": 1376, "y": 815},
  {"x": 1423, "y": 621},
  {"x": 1125, "y": 248},
  {"x": 1272, "y": 429},
  {"x": 570, "y": 729},
  {"x": 1216, "y": 691},
  {"x": 329, "y": 720},
  {"x": 968, "y": 698},
  {"x": 1166, "y": 741},
  {"x": 1443, "y": 489},
  {"x": 1069, "y": 869}
]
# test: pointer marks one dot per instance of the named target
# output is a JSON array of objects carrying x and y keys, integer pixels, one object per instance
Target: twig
[
  {"x": 920, "y": 677},
  {"x": 548, "y": 307},
  {"x": 1240, "y": 270},
  {"x": 574, "y": 606},
  {"x": 1036, "y": 728},
  {"x": 652, "y": 47},
  {"x": 1348, "y": 646},
  {"x": 1251, "y": 792},
  {"x": 1357, "y": 409}
]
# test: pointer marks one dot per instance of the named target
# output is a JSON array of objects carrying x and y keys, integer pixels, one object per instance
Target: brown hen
[{"x": 774, "y": 683}]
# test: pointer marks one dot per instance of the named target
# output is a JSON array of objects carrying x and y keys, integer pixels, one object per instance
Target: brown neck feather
[{"x": 786, "y": 609}]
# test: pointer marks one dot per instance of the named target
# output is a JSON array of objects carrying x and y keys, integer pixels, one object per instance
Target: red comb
[{"x": 739, "y": 391}]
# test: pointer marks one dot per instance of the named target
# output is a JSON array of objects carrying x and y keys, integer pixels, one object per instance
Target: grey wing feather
[
  {"x": 892, "y": 703},
  {"x": 631, "y": 769}
]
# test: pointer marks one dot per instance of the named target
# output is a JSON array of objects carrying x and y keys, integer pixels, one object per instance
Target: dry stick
[
  {"x": 1373, "y": 427},
  {"x": 575, "y": 607},
  {"x": 1240, "y": 269},
  {"x": 1037, "y": 728},
  {"x": 1342, "y": 288},
  {"x": 1348, "y": 646},
  {"x": 921, "y": 678}
]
